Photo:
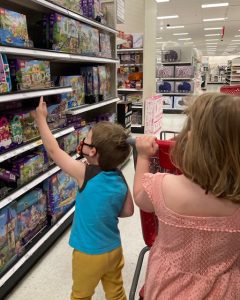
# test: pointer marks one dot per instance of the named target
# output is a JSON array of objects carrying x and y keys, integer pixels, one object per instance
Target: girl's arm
[
  {"x": 146, "y": 147},
  {"x": 69, "y": 165}
]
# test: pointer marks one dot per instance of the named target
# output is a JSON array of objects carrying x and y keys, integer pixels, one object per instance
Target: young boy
[{"x": 103, "y": 196}]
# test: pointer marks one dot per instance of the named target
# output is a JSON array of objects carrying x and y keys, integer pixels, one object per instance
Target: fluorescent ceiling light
[
  {"x": 186, "y": 39},
  {"x": 235, "y": 40},
  {"x": 160, "y": 42},
  {"x": 212, "y": 43},
  {"x": 209, "y": 40},
  {"x": 159, "y": 38},
  {"x": 168, "y": 17},
  {"x": 213, "y": 34},
  {"x": 183, "y": 33},
  {"x": 214, "y": 19},
  {"x": 213, "y": 28},
  {"x": 161, "y": 1},
  {"x": 215, "y": 5},
  {"x": 237, "y": 36},
  {"x": 175, "y": 27}
]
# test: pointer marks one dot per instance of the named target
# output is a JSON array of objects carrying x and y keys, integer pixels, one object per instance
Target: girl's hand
[
  {"x": 41, "y": 110},
  {"x": 146, "y": 146}
]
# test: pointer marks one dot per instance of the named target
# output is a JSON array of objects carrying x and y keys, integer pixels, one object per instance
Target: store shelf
[
  {"x": 128, "y": 114},
  {"x": 130, "y": 65},
  {"x": 92, "y": 106},
  {"x": 172, "y": 111},
  {"x": 130, "y": 50},
  {"x": 55, "y": 56},
  {"x": 32, "y": 94},
  {"x": 27, "y": 147},
  {"x": 55, "y": 7},
  {"x": 5, "y": 201},
  {"x": 129, "y": 90},
  {"x": 136, "y": 125},
  {"x": 212, "y": 82},
  {"x": 175, "y": 63},
  {"x": 136, "y": 107},
  {"x": 9, "y": 279},
  {"x": 175, "y": 79},
  {"x": 176, "y": 94}
]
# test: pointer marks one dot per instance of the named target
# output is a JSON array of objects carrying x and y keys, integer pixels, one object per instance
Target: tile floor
[{"x": 50, "y": 278}]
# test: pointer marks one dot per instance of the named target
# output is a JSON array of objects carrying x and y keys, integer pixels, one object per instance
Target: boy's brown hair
[
  {"x": 111, "y": 144},
  {"x": 207, "y": 150}
]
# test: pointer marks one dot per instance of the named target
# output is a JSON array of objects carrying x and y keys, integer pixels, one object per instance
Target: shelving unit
[
  {"x": 138, "y": 114},
  {"x": 46, "y": 237},
  {"x": 233, "y": 72}
]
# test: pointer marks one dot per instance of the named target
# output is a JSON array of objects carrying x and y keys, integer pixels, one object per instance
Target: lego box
[
  {"x": 30, "y": 74},
  {"x": 89, "y": 40},
  {"x": 105, "y": 45},
  {"x": 13, "y": 28}
]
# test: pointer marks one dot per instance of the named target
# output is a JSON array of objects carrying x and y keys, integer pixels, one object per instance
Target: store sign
[{"x": 120, "y": 11}]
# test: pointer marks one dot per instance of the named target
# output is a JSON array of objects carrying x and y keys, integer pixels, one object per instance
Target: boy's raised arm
[{"x": 69, "y": 165}]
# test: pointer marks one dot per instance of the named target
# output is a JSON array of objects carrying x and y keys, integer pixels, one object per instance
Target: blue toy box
[
  {"x": 61, "y": 191},
  {"x": 13, "y": 29}
]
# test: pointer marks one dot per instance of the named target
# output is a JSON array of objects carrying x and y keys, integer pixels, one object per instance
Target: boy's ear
[{"x": 92, "y": 152}]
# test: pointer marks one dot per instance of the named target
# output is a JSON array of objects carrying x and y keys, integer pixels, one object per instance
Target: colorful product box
[
  {"x": 8, "y": 236},
  {"x": 89, "y": 40},
  {"x": 69, "y": 142},
  {"x": 105, "y": 45},
  {"x": 94, "y": 9},
  {"x": 179, "y": 103},
  {"x": 61, "y": 191},
  {"x": 31, "y": 215},
  {"x": 76, "y": 97},
  {"x": 5, "y": 79},
  {"x": 5, "y": 134},
  {"x": 102, "y": 73},
  {"x": 184, "y": 87},
  {"x": 16, "y": 130},
  {"x": 69, "y": 4},
  {"x": 63, "y": 33},
  {"x": 30, "y": 74},
  {"x": 13, "y": 29},
  {"x": 184, "y": 71},
  {"x": 167, "y": 102},
  {"x": 84, "y": 7},
  {"x": 165, "y": 71},
  {"x": 165, "y": 86},
  {"x": 128, "y": 41},
  {"x": 29, "y": 127},
  {"x": 137, "y": 40},
  {"x": 91, "y": 84}
]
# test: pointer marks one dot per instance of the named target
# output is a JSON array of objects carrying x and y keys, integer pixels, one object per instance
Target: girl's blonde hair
[
  {"x": 110, "y": 141},
  {"x": 207, "y": 150}
]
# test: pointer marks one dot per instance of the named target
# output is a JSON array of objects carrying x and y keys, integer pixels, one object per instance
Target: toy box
[
  {"x": 16, "y": 130},
  {"x": 128, "y": 41},
  {"x": 167, "y": 102},
  {"x": 184, "y": 71},
  {"x": 29, "y": 127},
  {"x": 76, "y": 97},
  {"x": 137, "y": 40},
  {"x": 82, "y": 132},
  {"x": 89, "y": 40},
  {"x": 30, "y": 74},
  {"x": 102, "y": 74},
  {"x": 13, "y": 28},
  {"x": 171, "y": 55},
  {"x": 105, "y": 45},
  {"x": 165, "y": 86},
  {"x": 8, "y": 236},
  {"x": 31, "y": 215},
  {"x": 63, "y": 33},
  {"x": 165, "y": 71},
  {"x": 69, "y": 142},
  {"x": 153, "y": 114},
  {"x": 5, "y": 135},
  {"x": 61, "y": 191},
  {"x": 94, "y": 10},
  {"x": 90, "y": 75},
  {"x": 70, "y": 4},
  {"x": 184, "y": 87},
  {"x": 84, "y": 7},
  {"x": 5, "y": 79},
  {"x": 179, "y": 103},
  {"x": 28, "y": 167}
]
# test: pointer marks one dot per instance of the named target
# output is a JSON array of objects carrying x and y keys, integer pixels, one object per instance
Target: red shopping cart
[
  {"x": 149, "y": 221},
  {"x": 231, "y": 89}
]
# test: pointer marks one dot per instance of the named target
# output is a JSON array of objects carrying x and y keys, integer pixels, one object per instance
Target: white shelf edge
[
  {"x": 176, "y": 63},
  {"x": 131, "y": 65},
  {"x": 176, "y": 94},
  {"x": 128, "y": 125},
  {"x": 39, "y": 53},
  {"x": 136, "y": 125},
  {"x": 32, "y": 145},
  {"x": 173, "y": 109},
  {"x": 22, "y": 260},
  {"x": 175, "y": 79},
  {"x": 74, "y": 15},
  {"x": 5, "y": 201},
  {"x": 130, "y": 90},
  {"x": 31, "y": 94},
  {"x": 92, "y": 106},
  {"x": 128, "y": 114},
  {"x": 136, "y": 107},
  {"x": 130, "y": 50}
]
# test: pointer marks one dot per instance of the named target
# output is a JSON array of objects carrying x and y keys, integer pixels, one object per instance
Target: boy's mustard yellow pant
[{"x": 89, "y": 270}]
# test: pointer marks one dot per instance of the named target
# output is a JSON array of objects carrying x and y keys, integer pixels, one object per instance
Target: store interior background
[{"x": 50, "y": 278}]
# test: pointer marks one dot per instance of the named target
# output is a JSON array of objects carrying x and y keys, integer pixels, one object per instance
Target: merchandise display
[
  {"x": 168, "y": 101},
  {"x": 13, "y": 29},
  {"x": 5, "y": 79},
  {"x": 179, "y": 103},
  {"x": 74, "y": 5},
  {"x": 165, "y": 71},
  {"x": 165, "y": 86},
  {"x": 184, "y": 87}
]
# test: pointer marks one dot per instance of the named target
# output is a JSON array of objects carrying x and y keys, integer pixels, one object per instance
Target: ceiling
[{"x": 191, "y": 15}]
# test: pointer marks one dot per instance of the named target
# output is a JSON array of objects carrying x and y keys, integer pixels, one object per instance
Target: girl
[{"x": 197, "y": 252}]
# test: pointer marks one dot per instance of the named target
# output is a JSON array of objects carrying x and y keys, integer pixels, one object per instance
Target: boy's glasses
[{"x": 81, "y": 144}]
